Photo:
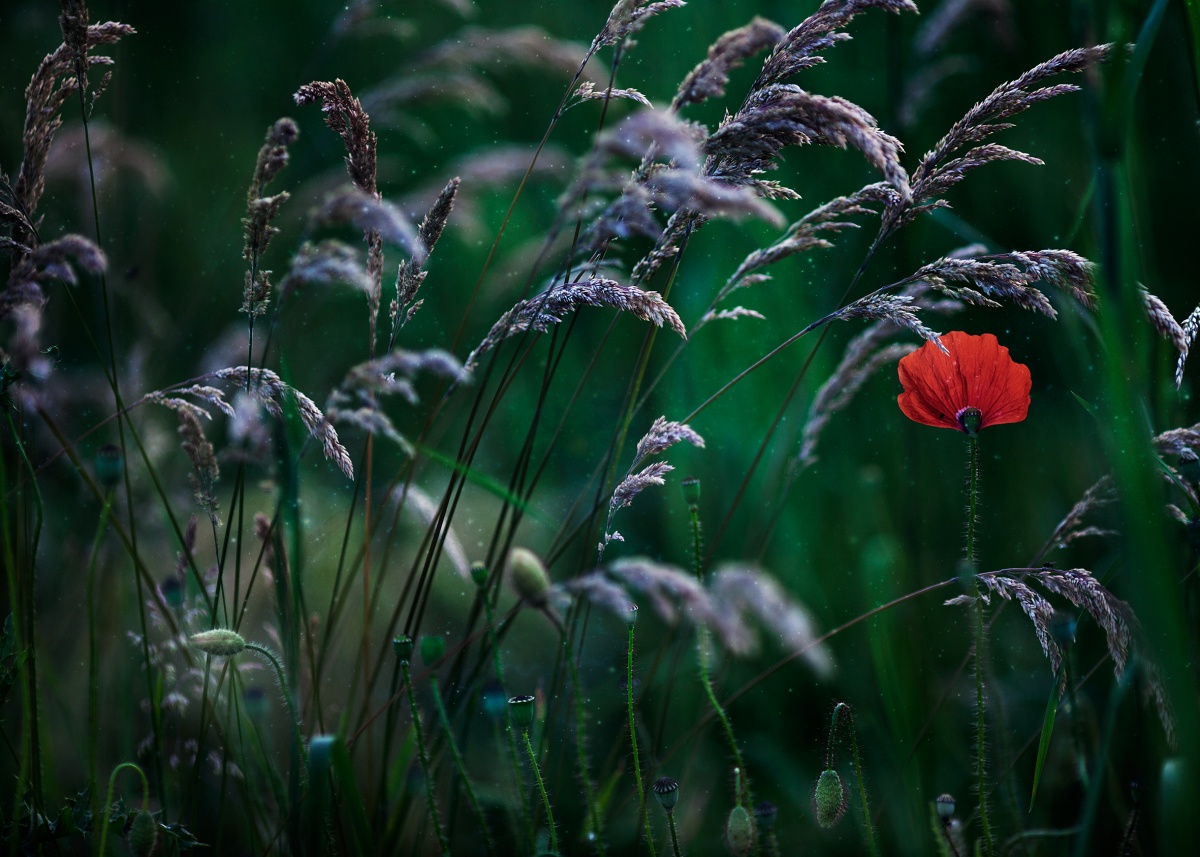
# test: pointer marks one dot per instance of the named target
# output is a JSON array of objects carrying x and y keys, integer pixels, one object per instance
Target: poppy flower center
[{"x": 969, "y": 420}]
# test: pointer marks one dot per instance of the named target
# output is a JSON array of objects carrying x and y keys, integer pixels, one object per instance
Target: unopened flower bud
[
  {"x": 143, "y": 834},
  {"x": 432, "y": 648},
  {"x": 528, "y": 576},
  {"x": 739, "y": 832},
  {"x": 219, "y": 642},
  {"x": 479, "y": 573},
  {"x": 829, "y": 798}
]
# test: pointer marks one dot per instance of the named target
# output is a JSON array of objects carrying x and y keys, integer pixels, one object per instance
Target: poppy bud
[
  {"x": 667, "y": 792},
  {"x": 219, "y": 642},
  {"x": 829, "y": 798},
  {"x": 432, "y": 648},
  {"x": 528, "y": 575},
  {"x": 523, "y": 709},
  {"x": 479, "y": 573},
  {"x": 739, "y": 832},
  {"x": 143, "y": 835}
]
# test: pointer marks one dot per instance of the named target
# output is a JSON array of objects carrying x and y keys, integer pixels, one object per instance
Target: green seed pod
[
  {"x": 765, "y": 814},
  {"x": 402, "y": 647},
  {"x": 219, "y": 642},
  {"x": 109, "y": 464},
  {"x": 143, "y": 835},
  {"x": 667, "y": 792},
  {"x": 479, "y": 573},
  {"x": 432, "y": 648},
  {"x": 739, "y": 832},
  {"x": 945, "y": 807},
  {"x": 528, "y": 576},
  {"x": 829, "y": 798},
  {"x": 524, "y": 710},
  {"x": 691, "y": 491},
  {"x": 970, "y": 420}
]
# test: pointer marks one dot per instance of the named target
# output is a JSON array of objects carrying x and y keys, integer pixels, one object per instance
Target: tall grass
[{"x": 499, "y": 292}]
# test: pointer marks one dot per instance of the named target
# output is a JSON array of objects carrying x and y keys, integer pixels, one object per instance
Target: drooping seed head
[
  {"x": 527, "y": 575},
  {"x": 739, "y": 832},
  {"x": 666, "y": 790},
  {"x": 402, "y": 647},
  {"x": 829, "y": 798},
  {"x": 219, "y": 642},
  {"x": 524, "y": 710}
]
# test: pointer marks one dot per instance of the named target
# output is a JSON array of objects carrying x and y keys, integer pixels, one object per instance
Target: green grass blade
[{"x": 1044, "y": 741}]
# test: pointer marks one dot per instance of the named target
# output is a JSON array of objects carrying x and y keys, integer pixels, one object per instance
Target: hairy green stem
[
  {"x": 537, "y": 774},
  {"x": 977, "y": 630},
  {"x": 426, "y": 770},
  {"x": 644, "y": 818},
  {"x": 461, "y": 765},
  {"x": 703, "y": 644},
  {"x": 674, "y": 836},
  {"x": 273, "y": 659},
  {"x": 112, "y": 781},
  {"x": 862, "y": 785}
]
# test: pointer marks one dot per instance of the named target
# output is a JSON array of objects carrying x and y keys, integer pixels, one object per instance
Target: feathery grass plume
[
  {"x": 1101, "y": 493},
  {"x": 269, "y": 390},
  {"x": 345, "y": 116},
  {"x": 325, "y": 263},
  {"x": 40, "y": 263},
  {"x": 261, "y": 210},
  {"x": 626, "y": 18},
  {"x": 410, "y": 273},
  {"x": 355, "y": 401},
  {"x": 587, "y": 91},
  {"x": 425, "y": 508},
  {"x": 56, "y": 79},
  {"x": 744, "y": 590},
  {"x": 373, "y": 215},
  {"x": 799, "y": 48},
  {"x": 1190, "y": 325},
  {"x": 663, "y": 434},
  {"x": 1010, "y": 275},
  {"x": 205, "y": 471},
  {"x": 541, "y": 311},
  {"x": 710, "y": 77},
  {"x": 458, "y": 69},
  {"x": 1168, "y": 328},
  {"x": 938, "y": 171}
]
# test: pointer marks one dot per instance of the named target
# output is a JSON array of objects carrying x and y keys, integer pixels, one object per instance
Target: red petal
[{"x": 978, "y": 372}]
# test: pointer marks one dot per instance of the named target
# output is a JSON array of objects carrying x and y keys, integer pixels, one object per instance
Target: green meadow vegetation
[{"x": 473, "y": 427}]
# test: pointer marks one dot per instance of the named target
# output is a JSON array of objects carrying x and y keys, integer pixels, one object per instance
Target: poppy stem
[{"x": 977, "y": 631}]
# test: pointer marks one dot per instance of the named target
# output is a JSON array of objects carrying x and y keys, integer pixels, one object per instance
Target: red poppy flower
[{"x": 975, "y": 386}]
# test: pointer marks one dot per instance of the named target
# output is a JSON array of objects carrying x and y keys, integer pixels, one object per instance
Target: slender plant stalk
[
  {"x": 585, "y": 773},
  {"x": 112, "y": 781},
  {"x": 978, "y": 633},
  {"x": 426, "y": 767},
  {"x": 703, "y": 645},
  {"x": 284, "y": 689},
  {"x": 93, "y": 648},
  {"x": 858, "y": 771},
  {"x": 644, "y": 817},
  {"x": 537, "y": 773},
  {"x": 674, "y": 836},
  {"x": 461, "y": 765}
]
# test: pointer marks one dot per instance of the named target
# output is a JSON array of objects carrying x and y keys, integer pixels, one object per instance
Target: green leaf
[
  {"x": 1047, "y": 731},
  {"x": 1086, "y": 405}
]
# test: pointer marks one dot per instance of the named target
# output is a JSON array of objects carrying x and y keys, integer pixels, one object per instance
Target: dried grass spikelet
[
  {"x": 709, "y": 78},
  {"x": 799, "y": 48},
  {"x": 938, "y": 171},
  {"x": 410, "y": 274},
  {"x": 199, "y": 451},
  {"x": 1010, "y": 276},
  {"x": 779, "y": 115},
  {"x": 587, "y": 91},
  {"x": 1179, "y": 335},
  {"x": 54, "y": 260},
  {"x": 626, "y": 18},
  {"x": 373, "y": 215},
  {"x": 355, "y": 400},
  {"x": 539, "y": 312},
  {"x": 1071, "y": 527},
  {"x": 261, "y": 210},
  {"x": 325, "y": 263}
]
